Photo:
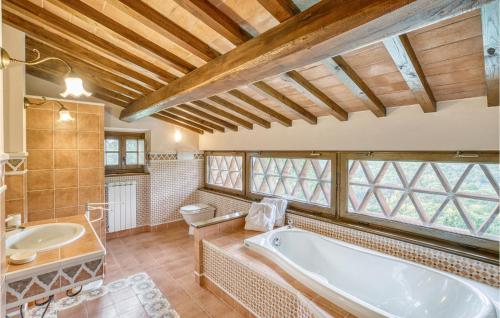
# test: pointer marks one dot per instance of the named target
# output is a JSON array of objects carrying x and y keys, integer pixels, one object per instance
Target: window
[
  {"x": 302, "y": 178},
  {"x": 459, "y": 197},
  {"x": 124, "y": 152},
  {"x": 225, "y": 170}
]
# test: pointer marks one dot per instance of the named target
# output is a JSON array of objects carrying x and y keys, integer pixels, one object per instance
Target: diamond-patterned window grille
[
  {"x": 457, "y": 197},
  {"x": 297, "y": 179},
  {"x": 225, "y": 171}
]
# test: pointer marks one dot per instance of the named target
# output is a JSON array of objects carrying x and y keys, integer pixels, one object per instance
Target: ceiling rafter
[
  {"x": 285, "y": 102},
  {"x": 207, "y": 116},
  {"x": 186, "y": 121},
  {"x": 194, "y": 118},
  {"x": 222, "y": 113},
  {"x": 315, "y": 94},
  {"x": 344, "y": 72},
  {"x": 231, "y": 106},
  {"x": 491, "y": 51},
  {"x": 328, "y": 28},
  {"x": 80, "y": 8},
  {"x": 401, "y": 51},
  {"x": 216, "y": 19},
  {"x": 261, "y": 107},
  {"x": 282, "y": 10},
  {"x": 46, "y": 18},
  {"x": 166, "y": 118},
  {"x": 166, "y": 27}
]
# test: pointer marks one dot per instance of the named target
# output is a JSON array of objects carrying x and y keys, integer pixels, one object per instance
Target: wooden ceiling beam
[
  {"x": 222, "y": 113},
  {"x": 167, "y": 118},
  {"x": 282, "y": 10},
  {"x": 216, "y": 20},
  {"x": 228, "y": 105},
  {"x": 83, "y": 67},
  {"x": 491, "y": 45},
  {"x": 80, "y": 8},
  {"x": 343, "y": 71},
  {"x": 166, "y": 27},
  {"x": 186, "y": 121},
  {"x": 263, "y": 108},
  {"x": 401, "y": 51},
  {"x": 285, "y": 102},
  {"x": 207, "y": 116},
  {"x": 315, "y": 95},
  {"x": 31, "y": 12},
  {"x": 328, "y": 28},
  {"x": 193, "y": 118}
]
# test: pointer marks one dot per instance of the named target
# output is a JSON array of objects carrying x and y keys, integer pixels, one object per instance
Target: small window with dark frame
[{"x": 124, "y": 152}]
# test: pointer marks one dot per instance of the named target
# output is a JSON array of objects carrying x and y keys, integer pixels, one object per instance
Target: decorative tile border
[
  {"x": 260, "y": 295},
  {"x": 162, "y": 156},
  {"x": 472, "y": 269}
]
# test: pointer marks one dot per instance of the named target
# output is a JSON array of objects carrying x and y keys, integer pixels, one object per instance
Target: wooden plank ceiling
[{"x": 126, "y": 49}]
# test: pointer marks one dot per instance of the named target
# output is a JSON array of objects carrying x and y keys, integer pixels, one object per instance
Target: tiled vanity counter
[{"x": 56, "y": 270}]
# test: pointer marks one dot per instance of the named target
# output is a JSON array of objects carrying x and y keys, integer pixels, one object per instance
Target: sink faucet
[{"x": 11, "y": 227}]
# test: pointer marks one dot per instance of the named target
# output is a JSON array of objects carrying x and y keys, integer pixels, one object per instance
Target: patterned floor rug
[{"x": 155, "y": 303}]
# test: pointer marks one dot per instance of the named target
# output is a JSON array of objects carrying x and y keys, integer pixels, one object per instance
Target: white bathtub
[{"x": 370, "y": 284}]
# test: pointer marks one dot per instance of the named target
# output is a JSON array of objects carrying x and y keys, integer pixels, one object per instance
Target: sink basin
[{"x": 40, "y": 238}]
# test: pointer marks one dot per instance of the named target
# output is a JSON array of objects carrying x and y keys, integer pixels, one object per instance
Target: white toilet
[{"x": 197, "y": 212}]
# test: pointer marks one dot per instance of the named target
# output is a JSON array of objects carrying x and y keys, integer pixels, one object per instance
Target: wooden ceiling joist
[
  {"x": 491, "y": 46},
  {"x": 282, "y": 10},
  {"x": 46, "y": 18},
  {"x": 80, "y": 66},
  {"x": 401, "y": 51},
  {"x": 164, "y": 26},
  {"x": 314, "y": 94},
  {"x": 344, "y": 72},
  {"x": 193, "y": 118},
  {"x": 228, "y": 105},
  {"x": 207, "y": 116},
  {"x": 222, "y": 113},
  {"x": 186, "y": 121},
  {"x": 216, "y": 19},
  {"x": 328, "y": 28},
  {"x": 166, "y": 118},
  {"x": 263, "y": 108},
  {"x": 269, "y": 92},
  {"x": 80, "y": 8}
]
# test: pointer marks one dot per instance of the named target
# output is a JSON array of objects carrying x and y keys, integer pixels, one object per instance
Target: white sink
[{"x": 40, "y": 238}]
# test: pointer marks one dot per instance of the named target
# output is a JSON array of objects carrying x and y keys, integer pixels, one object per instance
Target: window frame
[
  {"x": 301, "y": 206},
  {"x": 121, "y": 168},
  {"x": 241, "y": 154},
  {"x": 408, "y": 229}
]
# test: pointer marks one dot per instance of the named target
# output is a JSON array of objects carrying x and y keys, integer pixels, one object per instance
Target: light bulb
[
  {"x": 64, "y": 115},
  {"x": 74, "y": 87},
  {"x": 177, "y": 136}
]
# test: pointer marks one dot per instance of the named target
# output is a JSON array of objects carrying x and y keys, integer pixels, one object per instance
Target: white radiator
[{"x": 122, "y": 205}]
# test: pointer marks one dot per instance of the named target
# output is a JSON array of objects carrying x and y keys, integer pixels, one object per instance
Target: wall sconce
[
  {"x": 64, "y": 114},
  {"x": 74, "y": 84},
  {"x": 177, "y": 136}
]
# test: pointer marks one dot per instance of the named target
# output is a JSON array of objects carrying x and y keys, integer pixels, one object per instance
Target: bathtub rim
[{"x": 347, "y": 300}]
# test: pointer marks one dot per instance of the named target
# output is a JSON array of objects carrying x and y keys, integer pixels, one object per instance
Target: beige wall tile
[
  {"x": 89, "y": 177},
  {"x": 89, "y": 158},
  {"x": 39, "y": 119},
  {"x": 64, "y": 139},
  {"x": 69, "y": 105},
  {"x": 88, "y": 140},
  {"x": 92, "y": 109},
  {"x": 89, "y": 195},
  {"x": 40, "y": 159},
  {"x": 65, "y": 159},
  {"x": 40, "y": 200},
  {"x": 40, "y": 215},
  {"x": 66, "y": 178},
  {"x": 69, "y": 211},
  {"x": 88, "y": 122},
  {"x": 65, "y": 125},
  {"x": 40, "y": 179},
  {"x": 14, "y": 206},
  {"x": 66, "y": 197},
  {"x": 15, "y": 187},
  {"x": 39, "y": 139}
]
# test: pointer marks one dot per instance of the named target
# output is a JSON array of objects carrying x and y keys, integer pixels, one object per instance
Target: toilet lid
[{"x": 195, "y": 207}]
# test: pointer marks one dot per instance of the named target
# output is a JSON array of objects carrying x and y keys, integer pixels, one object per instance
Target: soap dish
[{"x": 22, "y": 257}]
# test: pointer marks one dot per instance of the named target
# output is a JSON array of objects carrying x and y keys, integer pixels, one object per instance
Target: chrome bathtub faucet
[
  {"x": 290, "y": 223},
  {"x": 276, "y": 241}
]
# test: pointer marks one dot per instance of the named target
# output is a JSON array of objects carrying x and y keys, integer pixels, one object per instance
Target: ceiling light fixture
[
  {"x": 64, "y": 114},
  {"x": 74, "y": 84}
]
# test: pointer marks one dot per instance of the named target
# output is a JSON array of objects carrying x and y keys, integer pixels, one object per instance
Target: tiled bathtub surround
[{"x": 479, "y": 271}]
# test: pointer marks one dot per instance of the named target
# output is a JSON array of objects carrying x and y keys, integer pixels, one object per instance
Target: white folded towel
[
  {"x": 280, "y": 205},
  {"x": 261, "y": 217}
]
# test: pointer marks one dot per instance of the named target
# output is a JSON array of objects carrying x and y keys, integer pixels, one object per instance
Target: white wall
[
  {"x": 14, "y": 90},
  {"x": 161, "y": 134},
  {"x": 457, "y": 125}
]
